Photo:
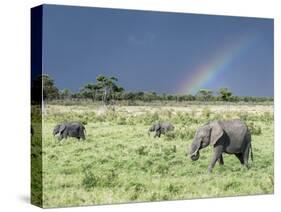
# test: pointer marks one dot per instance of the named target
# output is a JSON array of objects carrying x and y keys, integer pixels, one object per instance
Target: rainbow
[{"x": 221, "y": 62}]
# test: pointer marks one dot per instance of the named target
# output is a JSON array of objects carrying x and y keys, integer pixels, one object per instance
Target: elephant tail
[
  {"x": 252, "y": 156},
  {"x": 250, "y": 141}
]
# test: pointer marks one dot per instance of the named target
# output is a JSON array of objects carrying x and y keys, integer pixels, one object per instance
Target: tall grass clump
[
  {"x": 89, "y": 179},
  {"x": 254, "y": 128}
]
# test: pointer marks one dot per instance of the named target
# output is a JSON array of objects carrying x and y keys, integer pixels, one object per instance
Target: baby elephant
[
  {"x": 161, "y": 128},
  {"x": 230, "y": 136},
  {"x": 72, "y": 129}
]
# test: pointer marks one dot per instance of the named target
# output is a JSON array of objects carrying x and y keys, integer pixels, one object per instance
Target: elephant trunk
[
  {"x": 194, "y": 150},
  {"x": 195, "y": 156}
]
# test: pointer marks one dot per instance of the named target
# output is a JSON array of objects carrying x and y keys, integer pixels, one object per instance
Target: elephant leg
[
  {"x": 60, "y": 137},
  {"x": 246, "y": 156},
  {"x": 221, "y": 160},
  {"x": 217, "y": 154},
  {"x": 157, "y": 134},
  {"x": 64, "y": 135},
  {"x": 81, "y": 134},
  {"x": 240, "y": 157},
  {"x": 213, "y": 162}
]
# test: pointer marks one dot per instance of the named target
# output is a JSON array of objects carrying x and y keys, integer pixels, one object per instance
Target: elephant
[
  {"x": 229, "y": 136},
  {"x": 161, "y": 128},
  {"x": 71, "y": 129}
]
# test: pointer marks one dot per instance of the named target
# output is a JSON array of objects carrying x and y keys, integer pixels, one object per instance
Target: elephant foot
[{"x": 209, "y": 171}]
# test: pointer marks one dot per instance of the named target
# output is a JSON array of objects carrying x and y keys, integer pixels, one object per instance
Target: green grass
[{"x": 119, "y": 162}]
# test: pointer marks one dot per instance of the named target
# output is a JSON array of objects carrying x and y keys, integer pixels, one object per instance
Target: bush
[
  {"x": 89, "y": 180},
  {"x": 267, "y": 117},
  {"x": 254, "y": 129},
  {"x": 206, "y": 112},
  {"x": 142, "y": 150},
  {"x": 173, "y": 189}
]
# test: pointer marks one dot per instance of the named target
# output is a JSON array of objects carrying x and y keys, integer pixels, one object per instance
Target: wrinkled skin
[
  {"x": 161, "y": 128},
  {"x": 74, "y": 129},
  {"x": 231, "y": 136}
]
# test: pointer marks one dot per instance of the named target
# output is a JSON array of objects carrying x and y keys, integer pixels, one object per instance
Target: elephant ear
[
  {"x": 62, "y": 128},
  {"x": 216, "y": 132}
]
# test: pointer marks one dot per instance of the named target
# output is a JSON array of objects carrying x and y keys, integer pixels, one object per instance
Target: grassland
[{"x": 119, "y": 162}]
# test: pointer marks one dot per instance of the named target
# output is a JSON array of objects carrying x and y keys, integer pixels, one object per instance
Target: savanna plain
[{"x": 120, "y": 162}]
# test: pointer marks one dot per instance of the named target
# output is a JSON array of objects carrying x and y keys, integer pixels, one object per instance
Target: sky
[{"x": 176, "y": 53}]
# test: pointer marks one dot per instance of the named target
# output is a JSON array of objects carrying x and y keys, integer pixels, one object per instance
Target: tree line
[{"x": 107, "y": 90}]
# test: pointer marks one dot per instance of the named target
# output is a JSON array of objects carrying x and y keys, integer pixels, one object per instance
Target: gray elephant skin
[
  {"x": 230, "y": 136},
  {"x": 161, "y": 128},
  {"x": 72, "y": 129}
]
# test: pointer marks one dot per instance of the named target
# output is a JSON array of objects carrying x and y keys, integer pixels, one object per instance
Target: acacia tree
[
  {"x": 225, "y": 94},
  {"x": 90, "y": 91},
  {"x": 204, "y": 94},
  {"x": 109, "y": 87}
]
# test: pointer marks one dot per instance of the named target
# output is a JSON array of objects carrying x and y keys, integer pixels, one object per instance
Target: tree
[
  {"x": 109, "y": 87},
  {"x": 90, "y": 91},
  {"x": 225, "y": 94},
  {"x": 149, "y": 96},
  {"x": 50, "y": 91},
  {"x": 117, "y": 93},
  {"x": 45, "y": 83},
  {"x": 204, "y": 94},
  {"x": 65, "y": 94},
  {"x": 139, "y": 95}
]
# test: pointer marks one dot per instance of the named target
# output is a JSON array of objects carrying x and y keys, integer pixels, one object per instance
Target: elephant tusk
[{"x": 194, "y": 153}]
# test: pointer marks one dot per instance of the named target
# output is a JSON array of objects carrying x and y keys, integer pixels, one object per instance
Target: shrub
[
  {"x": 108, "y": 178},
  {"x": 142, "y": 150},
  {"x": 206, "y": 112},
  {"x": 173, "y": 189},
  {"x": 137, "y": 187},
  {"x": 254, "y": 129},
  {"x": 89, "y": 180},
  {"x": 267, "y": 117}
]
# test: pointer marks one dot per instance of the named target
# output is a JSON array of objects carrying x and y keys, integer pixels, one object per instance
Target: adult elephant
[
  {"x": 72, "y": 129},
  {"x": 161, "y": 128},
  {"x": 230, "y": 136}
]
